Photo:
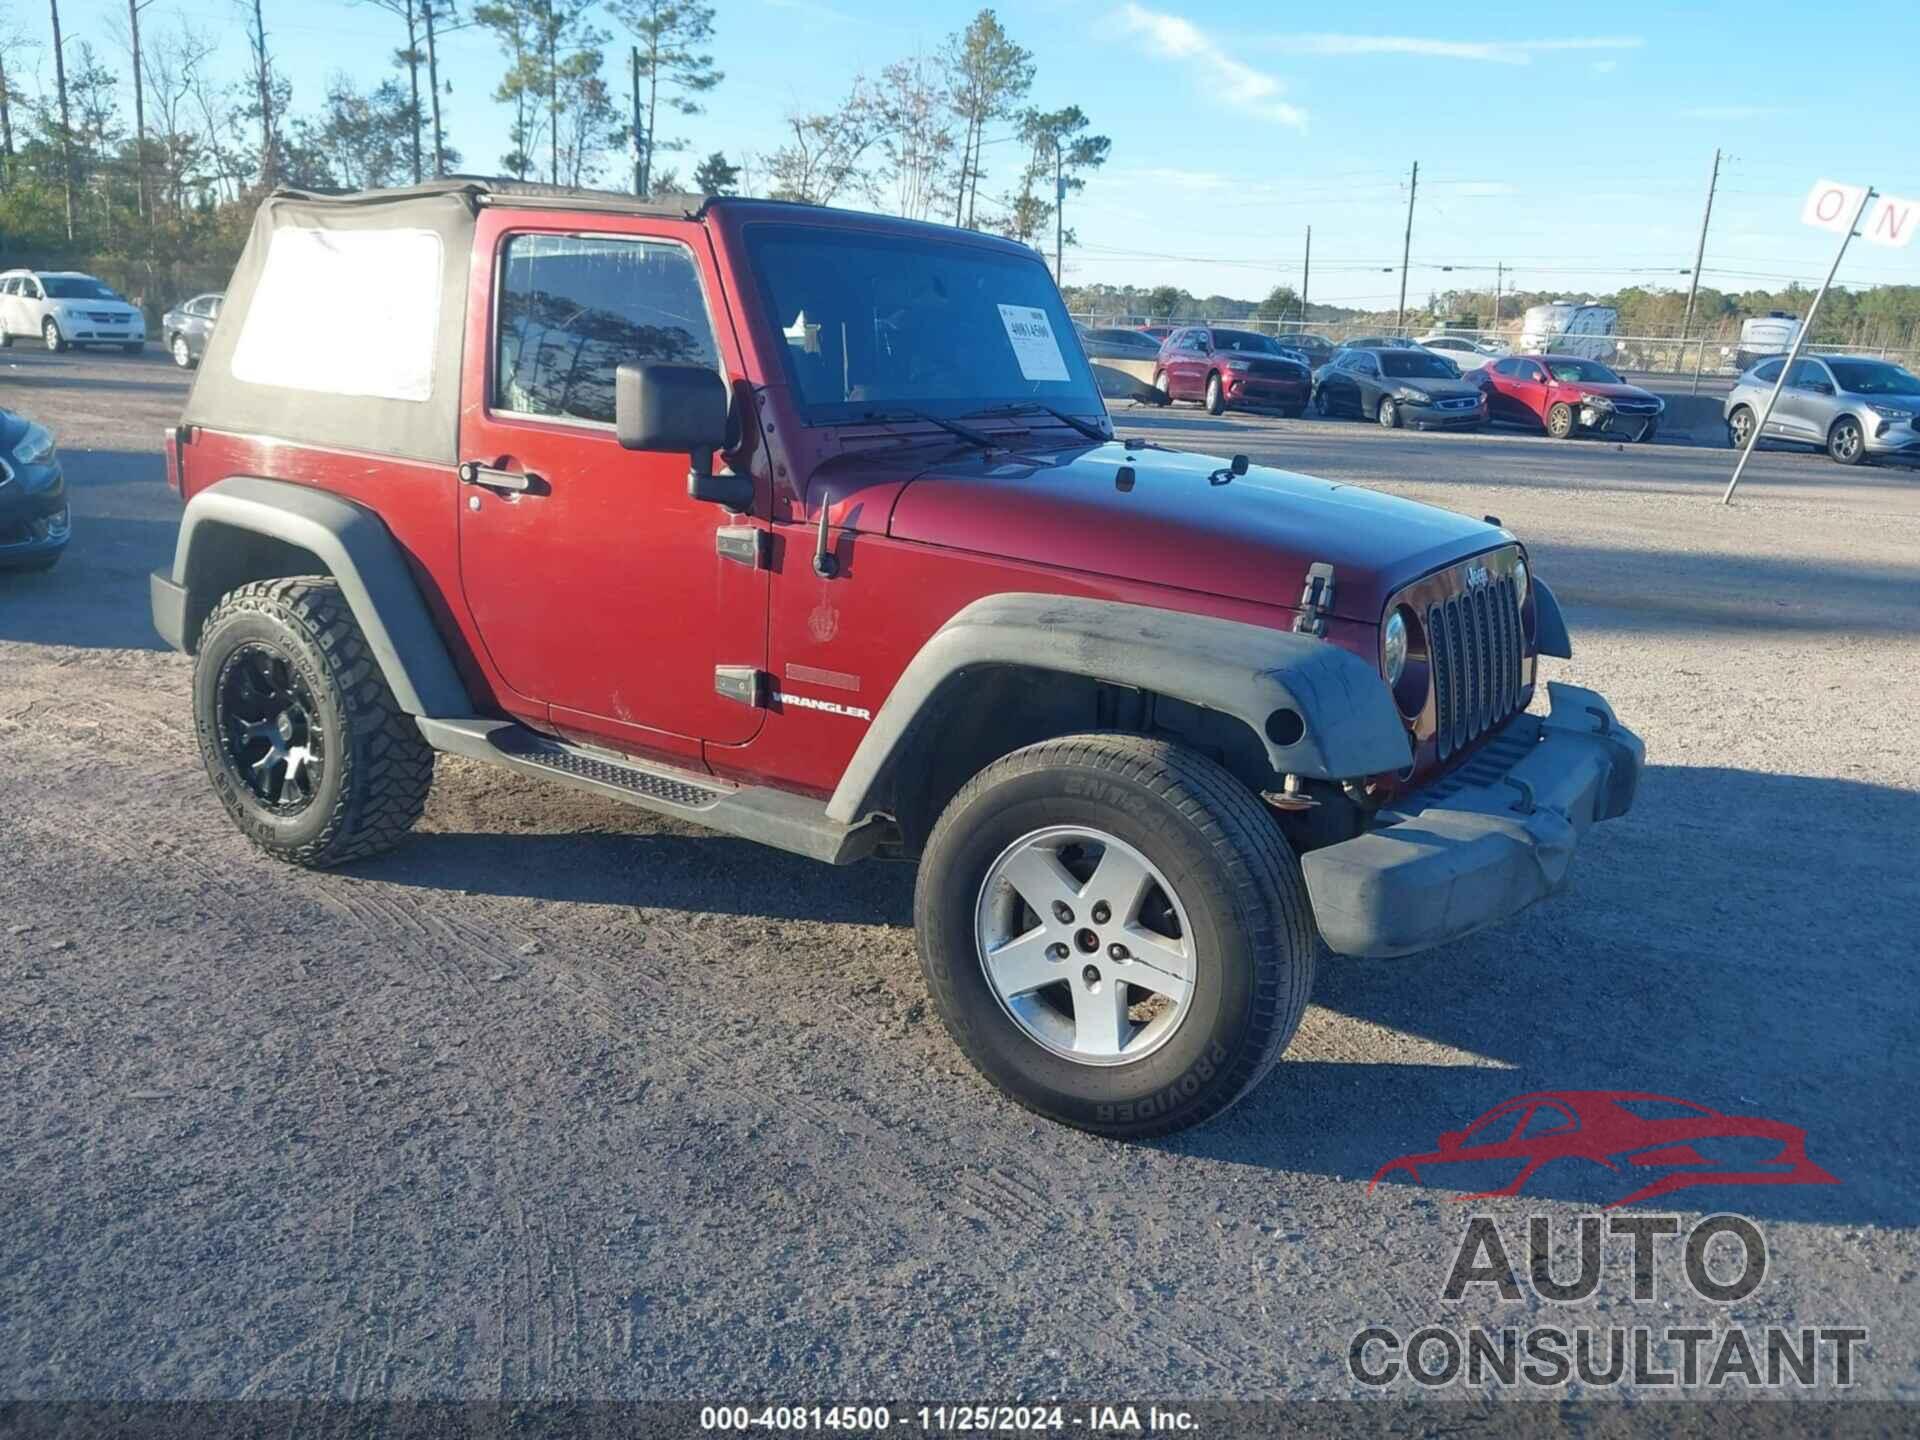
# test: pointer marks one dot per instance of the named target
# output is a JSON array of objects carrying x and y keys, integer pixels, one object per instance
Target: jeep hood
[{"x": 1186, "y": 522}]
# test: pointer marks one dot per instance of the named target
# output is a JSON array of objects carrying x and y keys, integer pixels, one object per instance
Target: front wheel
[
  {"x": 1216, "y": 396},
  {"x": 1115, "y": 933},
  {"x": 1846, "y": 442},
  {"x": 1560, "y": 420},
  {"x": 182, "y": 352},
  {"x": 1322, "y": 404},
  {"x": 50, "y": 333},
  {"x": 299, "y": 731},
  {"x": 1389, "y": 414}
]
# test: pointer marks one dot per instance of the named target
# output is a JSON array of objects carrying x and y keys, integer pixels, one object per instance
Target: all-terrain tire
[
  {"x": 377, "y": 769},
  {"x": 1253, "y": 938}
]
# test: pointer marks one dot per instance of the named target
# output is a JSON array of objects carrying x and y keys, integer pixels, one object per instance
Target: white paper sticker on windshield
[{"x": 1033, "y": 343}]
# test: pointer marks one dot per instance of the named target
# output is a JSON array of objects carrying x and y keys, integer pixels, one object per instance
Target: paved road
[{"x": 559, "y": 1100}]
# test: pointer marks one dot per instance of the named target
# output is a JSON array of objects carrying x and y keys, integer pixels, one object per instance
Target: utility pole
[
  {"x": 1306, "y": 274},
  {"x": 433, "y": 85},
  {"x": 66, "y": 125},
  {"x": 1499, "y": 275},
  {"x": 1059, "y": 213},
  {"x": 134, "y": 7},
  {"x": 1406, "y": 251},
  {"x": 639, "y": 175},
  {"x": 269, "y": 162},
  {"x": 1700, "y": 253}
]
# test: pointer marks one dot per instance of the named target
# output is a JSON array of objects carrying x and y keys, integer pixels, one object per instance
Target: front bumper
[
  {"x": 1634, "y": 425},
  {"x": 1891, "y": 437},
  {"x": 1437, "y": 417},
  {"x": 1486, "y": 841},
  {"x": 34, "y": 518},
  {"x": 1259, "y": 390}
]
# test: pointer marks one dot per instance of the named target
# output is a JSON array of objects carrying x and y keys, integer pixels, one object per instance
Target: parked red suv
[
  {"x": 1221, "y": 368},
  {"x": 811, "y": 527},
  {"x": 1566, "y": 395}
]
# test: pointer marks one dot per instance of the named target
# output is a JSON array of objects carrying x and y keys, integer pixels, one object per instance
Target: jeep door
[{"x": 594, "y": 580}]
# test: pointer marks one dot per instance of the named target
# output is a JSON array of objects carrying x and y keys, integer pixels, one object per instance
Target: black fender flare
[
  {"x": 357, "y": 550},
  {"x": 1348, "y": 725}
]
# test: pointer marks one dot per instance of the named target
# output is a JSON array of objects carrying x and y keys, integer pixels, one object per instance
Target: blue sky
[{"x": 1572, "y": 145}]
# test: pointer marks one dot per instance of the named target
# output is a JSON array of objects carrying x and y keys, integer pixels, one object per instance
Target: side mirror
[
  {"x": 1450, "y": 1139},
  {"x": 664, "y": 409},
  {"x": 1820, "y": 387}
]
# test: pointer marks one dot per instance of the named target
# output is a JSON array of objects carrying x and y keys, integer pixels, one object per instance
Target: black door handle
[{"x": 472, "y": 472}]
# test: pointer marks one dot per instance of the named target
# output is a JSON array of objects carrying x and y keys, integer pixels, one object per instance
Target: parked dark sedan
[
  {"x": 1399, "y": 387},
  {"x": 185, "y": 328},
  {"x": 1104, "y": 343},
  {"x": 34, "y": 522},
  {"x": 1317, "y": 348}
]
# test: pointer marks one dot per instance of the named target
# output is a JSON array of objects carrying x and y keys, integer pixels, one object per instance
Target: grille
[
  {"x": 1457, "y": 402},
  {"x": 102, "y": 317},
  {"x": 1636, "y": 407},
  {"x": 1277, "y": 370},
  {"x": 1475, "y": 642}
]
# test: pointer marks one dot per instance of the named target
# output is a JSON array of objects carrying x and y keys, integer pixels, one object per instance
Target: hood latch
[{"x": 1316, "y": 600}]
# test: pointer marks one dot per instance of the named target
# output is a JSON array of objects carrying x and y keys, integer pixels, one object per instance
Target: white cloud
[
  {"x": 1496, "y": 52},
  {"x": 1233, "y": 81}
]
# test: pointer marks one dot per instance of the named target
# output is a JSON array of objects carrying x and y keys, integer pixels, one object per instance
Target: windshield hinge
[{"x": 1316, "y": 600}]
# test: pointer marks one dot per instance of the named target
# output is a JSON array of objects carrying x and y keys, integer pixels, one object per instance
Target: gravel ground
[{"x": 561, "y": 1101}]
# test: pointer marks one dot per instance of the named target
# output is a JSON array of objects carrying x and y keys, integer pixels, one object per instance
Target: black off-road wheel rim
[{"x": 271, "y": 736}]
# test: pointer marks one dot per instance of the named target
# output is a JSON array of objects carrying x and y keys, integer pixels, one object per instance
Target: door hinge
[
  {"x": 742, "y": 683},
  {"x": 742, "y": 544},
  {"x": 1316, "y": 600}
]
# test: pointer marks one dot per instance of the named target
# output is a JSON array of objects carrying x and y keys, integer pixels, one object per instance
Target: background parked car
[
  {"x": 1221, "y": 367},
  {"x": 64, "y": 307},
  {"x": 1567, "y": 394},
  {"x": 185, "y": 328},
  {"x": 35, "y": 524},
  {"x": 1316, "y": 348},
  {"x": 1380, "y": 342},
  {"x": 1399, "y": 387},
  {"x": 1465, "y": 352},
  {"x": 1158, "y": 332},
  {"x": 1853, "y": 407}
]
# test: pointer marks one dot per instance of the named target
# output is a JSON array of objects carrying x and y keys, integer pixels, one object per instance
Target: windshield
[
  {"x": 875, "y": 323},
  {"x": 75, "y": 287},
  {"x": 1245, "y": 341},
  {"x": 1590, "y": 371},
  {"x": 1412, "y": 365},
  {"x": 1873, "y": 377}
]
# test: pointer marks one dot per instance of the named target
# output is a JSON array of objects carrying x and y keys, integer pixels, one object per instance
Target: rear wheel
[
  {"x": 1740, "y": 427},
  {"x": 1216, "y": 396},
  {"x": 1164, "y": 386},
  {"x": 1389, "y": 414},
  {"x": 1846, "y": 441},
  {"x": 1560, "y": 420},
  {"x": 182, "y": 352},
  {"x": 1115, "y": 932},
  {"x": 298, "y": 728},
  {"x": 1323, "y": 403}
]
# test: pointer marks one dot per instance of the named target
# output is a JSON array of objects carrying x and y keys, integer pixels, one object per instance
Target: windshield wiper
[
  {"x": 965, "y": 432},
  {"x": 1029, "y": 407}
]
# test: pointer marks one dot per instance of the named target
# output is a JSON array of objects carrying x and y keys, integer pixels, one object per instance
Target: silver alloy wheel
[
  {"x": 1740, "y": 427},
  {"x": 1846, "y": 441},
  {"x": 50, "y": 332},
  {"x": 1084, "y": 944},
  {"x": 182, "y": 355}
]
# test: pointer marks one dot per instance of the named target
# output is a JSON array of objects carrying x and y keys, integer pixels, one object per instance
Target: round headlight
[
  {"x": 1520, "y": 582},
  {"x": 1393, "y": 647}
]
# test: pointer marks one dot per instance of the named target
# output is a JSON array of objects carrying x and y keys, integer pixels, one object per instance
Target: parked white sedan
[
  {"x": 61, "y": 308},
  {"x": 1466, "y": 354}
]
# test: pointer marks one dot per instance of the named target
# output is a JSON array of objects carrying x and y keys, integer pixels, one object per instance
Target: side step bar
[{"x": 773, "y": 817}]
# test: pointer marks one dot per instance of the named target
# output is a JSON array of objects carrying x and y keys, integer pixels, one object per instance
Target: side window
[
  {"x": 1808, "y": 373},
  {"x": 572, "y": 308},
  {"x": 30, "y": 287},
  {"x": 1531, "y": 371},
  {"x": 199, "y": 308},
  {"x": 1769, "y": 371},
  {"x": 1548, "y": 1120},
  {"x": 1508, "y": 367},
  {"x": 12, "y": 287}
]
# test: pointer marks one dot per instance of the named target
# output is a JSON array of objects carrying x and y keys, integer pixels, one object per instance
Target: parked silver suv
[{"x": 1851, "y": 406}]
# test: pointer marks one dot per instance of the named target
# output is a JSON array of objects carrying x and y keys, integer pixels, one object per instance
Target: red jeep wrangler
[{"x": 810, "y": 527}]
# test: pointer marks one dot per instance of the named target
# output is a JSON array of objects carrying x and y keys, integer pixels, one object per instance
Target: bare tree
[
  {"x": 916, "y": 134},
  {"x": 827, "y": 156},
  {"x": 263, "y": 81},
  {"x": 66, "y": 124},
  {"x": 12, "y": 43},
  {"x": 172, "y": 61}
]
